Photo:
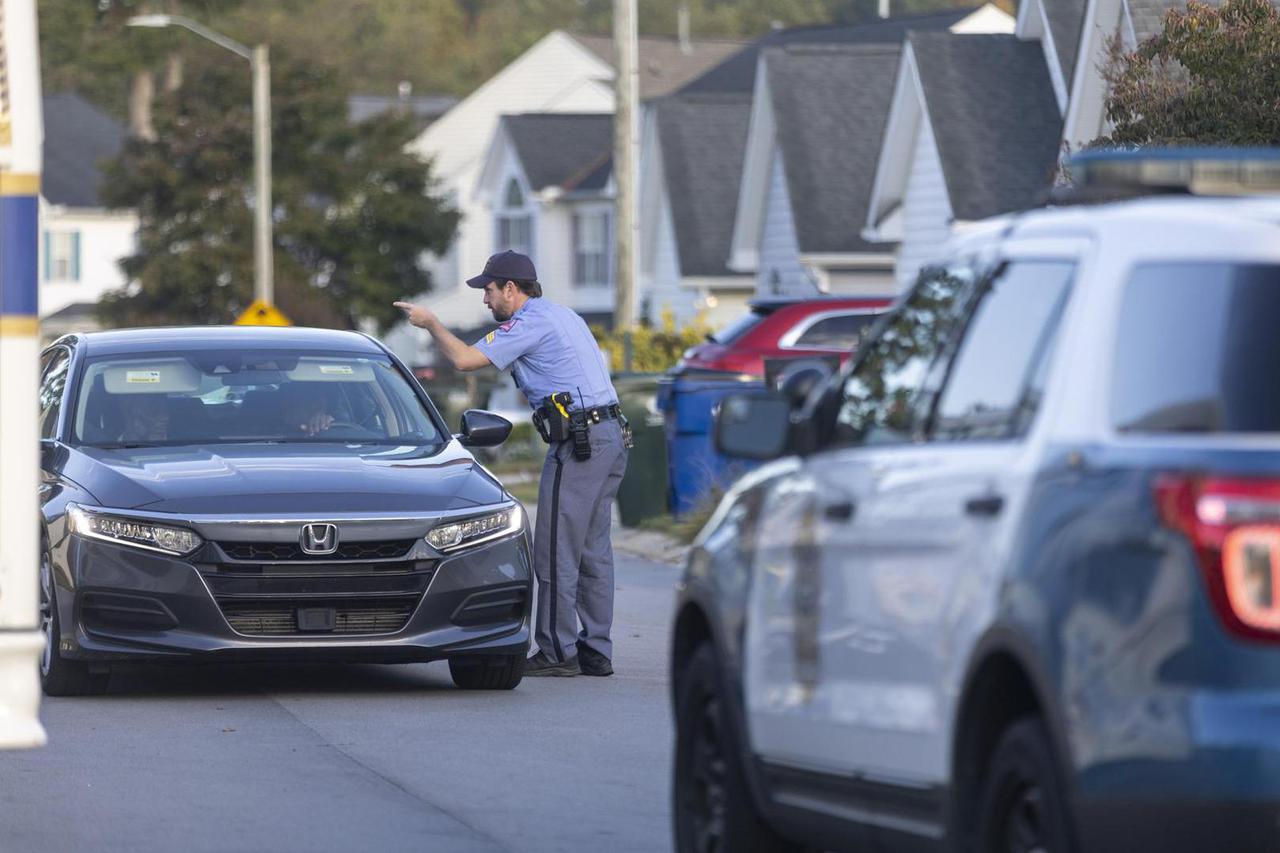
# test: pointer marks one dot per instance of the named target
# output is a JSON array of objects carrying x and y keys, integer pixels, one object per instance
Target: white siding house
[{"x": 81, "y": 240}]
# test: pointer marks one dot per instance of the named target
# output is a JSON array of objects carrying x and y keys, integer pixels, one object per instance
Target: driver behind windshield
[
  {"x": 304, "y": 409},
  {"x": 144, "y": 417}
]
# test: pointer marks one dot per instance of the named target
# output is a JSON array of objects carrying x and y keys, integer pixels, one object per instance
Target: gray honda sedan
[{"x": 254, "y": 494}]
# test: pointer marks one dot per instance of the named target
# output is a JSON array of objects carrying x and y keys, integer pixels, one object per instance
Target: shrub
[{"x": 654, "y": 349}]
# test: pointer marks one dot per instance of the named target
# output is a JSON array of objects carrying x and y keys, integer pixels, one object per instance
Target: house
[
  {"x": 548, "y": 182},
  {"x": 424, "y": 109},
  {"x": 1133, "y": 22},
  {"x": 690, "y": 166},
  {"x": 973, "y": 131},
  {"x": 81, "y": 240},
  {"x": 819, "y": 107},
  {"x": 563, "y": 72}
]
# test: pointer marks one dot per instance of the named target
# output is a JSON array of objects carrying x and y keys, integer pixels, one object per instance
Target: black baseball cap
[{"x": 503, "y": 267}]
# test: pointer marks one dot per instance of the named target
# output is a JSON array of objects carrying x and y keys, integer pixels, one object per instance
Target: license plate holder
[{"x": 317, "y": 618}]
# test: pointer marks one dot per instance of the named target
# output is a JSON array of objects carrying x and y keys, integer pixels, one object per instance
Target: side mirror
[
  {"x": 753, "y": 426},
  {"x": 483, "y": 429}
]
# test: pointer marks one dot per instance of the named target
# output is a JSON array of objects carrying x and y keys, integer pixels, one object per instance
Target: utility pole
[
  {"x": 264, "y": 289},
  {"x": 21, "y": 136},
  {"x": 626, "y": 146}
]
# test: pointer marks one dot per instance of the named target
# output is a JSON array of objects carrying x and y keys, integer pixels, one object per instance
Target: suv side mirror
[
  {"x": 753, "y": 426},
  {"x": 483, "y": 429}
]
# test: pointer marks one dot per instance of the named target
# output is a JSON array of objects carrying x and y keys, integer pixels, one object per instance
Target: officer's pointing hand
[{"x": 416, "y": 314}]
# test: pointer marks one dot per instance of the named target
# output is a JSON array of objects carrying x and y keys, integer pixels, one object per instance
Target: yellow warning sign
[{"x": 262, "y": 314}]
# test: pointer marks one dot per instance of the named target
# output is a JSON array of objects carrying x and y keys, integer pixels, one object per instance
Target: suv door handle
[
  {"x": 839, "y": 511},
  {"x": 985, "y": 506}
]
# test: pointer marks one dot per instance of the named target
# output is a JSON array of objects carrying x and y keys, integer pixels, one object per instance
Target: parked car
[
  {"x": 233, "y": 494},
  {"x": 1012, "y": 582},
  {"x": 785, "y": 328}
]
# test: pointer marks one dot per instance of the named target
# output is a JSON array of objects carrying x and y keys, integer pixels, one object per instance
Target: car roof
[
  {"x": 1137, "y": 225},
  {"x": 197, "y": 338},
  {"x": 768, "y": 305}
]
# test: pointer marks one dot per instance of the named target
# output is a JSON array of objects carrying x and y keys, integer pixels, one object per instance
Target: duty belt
[{"x": 603, "y": 413}]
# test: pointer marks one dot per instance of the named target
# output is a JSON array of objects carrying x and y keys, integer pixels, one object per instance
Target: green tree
[
  {"x": 1211, "y": 77},
  {"x": 353, "y": 211}
]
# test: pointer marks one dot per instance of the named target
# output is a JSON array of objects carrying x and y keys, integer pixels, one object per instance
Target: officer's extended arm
[{"x": 462, "y": 356}]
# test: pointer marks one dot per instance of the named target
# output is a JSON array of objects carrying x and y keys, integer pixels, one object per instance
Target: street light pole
[
  {"x": 260, "y": 65},
  {"x": 263, "y": 262}
]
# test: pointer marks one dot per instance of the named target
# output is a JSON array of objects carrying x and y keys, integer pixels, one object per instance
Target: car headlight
[
  {"x": 133, "y": 531},
  {"x": 472, "y": 531}
]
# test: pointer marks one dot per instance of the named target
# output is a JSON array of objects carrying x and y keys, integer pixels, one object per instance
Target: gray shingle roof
[
  {"x": 664, "y": 66},
  {"x": 704, "y": 140},
  {"x": 561, "y": 149},
  {"x": 1148, "y": 15},
  {"x": 831, "y": 104},
  {"x": 737, "y": 73},
  {"x": 995, "y": 118},
  {"x": 1066, "y": 19},
  {"x": 424, "y": 108},
  {"x": 77, "y": 138}
]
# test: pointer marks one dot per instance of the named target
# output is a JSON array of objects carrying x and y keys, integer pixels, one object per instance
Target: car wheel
[
  {"x": 60, "y": 676},
  {"x": 712, "y": 806},
  {"x": 1023, "y": 808},
  {"x": 501, "y": 672}
]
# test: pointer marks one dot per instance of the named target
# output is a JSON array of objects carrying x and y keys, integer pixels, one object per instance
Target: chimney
[
  {"x": 682, "y": 27},
  {"x": 883, "y": 8}
]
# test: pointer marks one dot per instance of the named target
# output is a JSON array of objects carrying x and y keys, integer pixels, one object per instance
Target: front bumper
[{"x": 129, "y": 604}]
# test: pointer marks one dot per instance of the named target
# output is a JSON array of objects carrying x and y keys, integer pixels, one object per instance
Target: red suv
[{"x": 786, "y": 328}]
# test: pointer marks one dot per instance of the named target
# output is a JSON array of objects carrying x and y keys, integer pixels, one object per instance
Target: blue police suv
[
  {"x": 236, "y": 494},
  {"x": 1012, "y": 579}
]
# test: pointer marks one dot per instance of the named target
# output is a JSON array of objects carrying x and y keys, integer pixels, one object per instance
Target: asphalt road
[{"x": 322, "y": 758}]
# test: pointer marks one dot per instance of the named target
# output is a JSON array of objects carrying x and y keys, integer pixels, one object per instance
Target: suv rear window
[
  {"x": 738, "y": 328},
  {"x": 1197, "y": 349}
]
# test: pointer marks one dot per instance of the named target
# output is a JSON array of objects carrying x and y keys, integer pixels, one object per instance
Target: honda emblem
[{"x": 319, "y": 538}]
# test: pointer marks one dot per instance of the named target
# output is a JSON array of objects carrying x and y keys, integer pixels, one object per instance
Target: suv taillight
[{"x": 1234, "y": 526}]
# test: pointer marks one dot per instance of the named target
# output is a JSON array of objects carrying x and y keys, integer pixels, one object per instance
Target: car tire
[
  {"x": 1022, "y": 806},
  {"x": 61, "y": 676},
  {"x": 712, "y": 807},
  {"x": 502, "y": 672}
]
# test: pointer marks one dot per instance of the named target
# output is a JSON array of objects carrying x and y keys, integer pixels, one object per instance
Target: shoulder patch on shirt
[
  {"x": 510, "y": 324},
  {"x": 488, "y": 339}
]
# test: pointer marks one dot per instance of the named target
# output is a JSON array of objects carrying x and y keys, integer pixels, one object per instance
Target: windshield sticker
[
  {"x": 336, "y": 369},
  {"x": 142, "y": 377}
]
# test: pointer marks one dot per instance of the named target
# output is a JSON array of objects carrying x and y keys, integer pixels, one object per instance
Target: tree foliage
[
  {"x": 653, "y": 348},
  {"x": 353, "y": 211},
  {"x": 1211, "y": 77}
]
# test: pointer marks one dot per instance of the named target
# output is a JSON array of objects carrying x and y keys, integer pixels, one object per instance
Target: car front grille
[
  {"x": 275, "y": 619},
  {"x": 292, "y": 551}
]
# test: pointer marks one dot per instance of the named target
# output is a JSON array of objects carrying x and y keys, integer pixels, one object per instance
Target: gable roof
[
  {"x": 737, "y": 73},
  {"x": 77, "y": 138},
  {"x": 703, "y": 139},
  {"x": 567, "y": 150},
  {"x": 664, "y": 65},
  {"x": 993, "y": 113},
  {"x": 424, "y": 108},
  {"x": 831, "y": 104},
  {"x": 1066, "y": 20}
]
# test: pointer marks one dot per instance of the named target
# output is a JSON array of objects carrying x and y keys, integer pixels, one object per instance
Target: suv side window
[
  {"x": 53, "y": 381},
  {"x": 838, "y": 332},
  {"x": 994, "y": 385},
  {"x": 887, "y": 396}
]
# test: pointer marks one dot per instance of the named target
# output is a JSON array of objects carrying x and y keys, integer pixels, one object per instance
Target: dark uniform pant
[{"x": 572, "y": 552}]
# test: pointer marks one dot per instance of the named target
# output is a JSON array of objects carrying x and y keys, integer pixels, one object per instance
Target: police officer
[{"x": 550, "y": 350}]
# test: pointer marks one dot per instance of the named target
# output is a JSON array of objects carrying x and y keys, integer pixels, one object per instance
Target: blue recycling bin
[{"x": 694, "y": 467}]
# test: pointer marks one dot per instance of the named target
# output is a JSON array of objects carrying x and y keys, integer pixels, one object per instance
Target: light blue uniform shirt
[{"x": 550, "y": 349}]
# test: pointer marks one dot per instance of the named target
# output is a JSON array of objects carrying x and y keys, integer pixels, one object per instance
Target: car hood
[{"x": 301, "y": 478}]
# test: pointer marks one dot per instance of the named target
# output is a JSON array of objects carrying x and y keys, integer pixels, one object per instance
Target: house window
[
  {"x": 592, "y": 244},
  {"x": 514, "y": 224},
  {"x": 62, "y": 255}
]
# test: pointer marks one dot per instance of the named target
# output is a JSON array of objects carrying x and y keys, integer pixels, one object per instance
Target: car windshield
[
  {"x": 213, "y": 397},
  {"x": 1195, "y": 348}
]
